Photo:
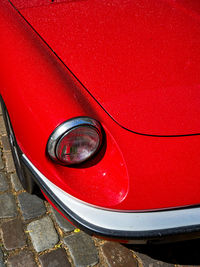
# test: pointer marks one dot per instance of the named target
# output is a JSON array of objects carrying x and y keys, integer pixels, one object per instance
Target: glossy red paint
[
  {"x": 132, "y": 172},
  {"x": 139, "y": 59}
]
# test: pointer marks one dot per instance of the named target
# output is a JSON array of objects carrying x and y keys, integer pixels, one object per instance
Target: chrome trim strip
[
  {"x": 67, "y": 126},
  {"x": 122, "y": 221}
]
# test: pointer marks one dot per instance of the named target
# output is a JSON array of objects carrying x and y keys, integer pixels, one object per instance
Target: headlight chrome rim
[{"x": 67, "y": 126}]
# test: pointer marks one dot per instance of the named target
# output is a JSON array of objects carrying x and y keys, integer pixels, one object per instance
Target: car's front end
[{"x": 118, "y": 156}]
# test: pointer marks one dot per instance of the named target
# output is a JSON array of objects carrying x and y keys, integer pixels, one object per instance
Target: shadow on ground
[
  {"x": 38, "y": 192},
  {"x": 183, "y": 253}
]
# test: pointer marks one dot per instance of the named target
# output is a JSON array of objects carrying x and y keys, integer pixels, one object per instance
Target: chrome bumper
[{"x": 118, "y": 224}]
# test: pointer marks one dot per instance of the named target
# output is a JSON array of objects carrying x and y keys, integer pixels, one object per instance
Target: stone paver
[
  {"x": 82, "y": 249},
  {"x": 8, "y": 207},
  {"x": 5, "y": 143},
  {"x": 56, "y": 258},
  {"x": 62, "y": 222},
  {"x": 117, "y": 255},
  {"x": 10, "y": 167},
  {"x": 3, "y": 182},
  {"x": 149, "y": 261},
  {"x": 15, "y": 182},
  {"x": 31, "y": 206},
  {"x": 2, "y": 126},
  {"x": 1, "y": 259},
  {"x": 23, "y": 259},
  {"x": 1, "y": 161},
  {"x": 43, "y": 234},
  {"x": 13, "y": 234}
]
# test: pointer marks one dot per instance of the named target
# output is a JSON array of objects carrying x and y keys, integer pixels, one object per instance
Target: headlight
[{"x": 75, "y": 141}]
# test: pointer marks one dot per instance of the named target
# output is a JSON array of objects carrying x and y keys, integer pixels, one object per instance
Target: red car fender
[
  {"x": 40, "y": 93},
  {"x": 132, "y": 171}
]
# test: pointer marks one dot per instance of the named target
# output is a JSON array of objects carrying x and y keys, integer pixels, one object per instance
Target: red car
[{"x": 102, "y": 107}]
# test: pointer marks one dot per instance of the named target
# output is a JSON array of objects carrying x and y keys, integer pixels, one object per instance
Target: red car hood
[{"x": 139, "y": 59}]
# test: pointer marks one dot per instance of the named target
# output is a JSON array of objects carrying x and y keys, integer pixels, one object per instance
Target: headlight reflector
[
  {"x": 75, "y": 141},
  {"x": 77, "y": 145}
]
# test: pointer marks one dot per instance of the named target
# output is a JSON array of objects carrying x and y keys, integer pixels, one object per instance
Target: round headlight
[{"x": 75, "y": 141}]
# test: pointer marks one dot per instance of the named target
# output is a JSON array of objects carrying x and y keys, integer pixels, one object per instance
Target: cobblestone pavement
[{"x": 33, "y": 234}]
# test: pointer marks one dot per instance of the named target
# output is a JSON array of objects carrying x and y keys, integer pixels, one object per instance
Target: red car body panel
[
  {"x": 132, "y": 171},
  {"x": 139, "y": 59}
]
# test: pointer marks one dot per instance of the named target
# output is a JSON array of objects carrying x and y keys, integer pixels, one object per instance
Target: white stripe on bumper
[{"x": 120, "y": 220}]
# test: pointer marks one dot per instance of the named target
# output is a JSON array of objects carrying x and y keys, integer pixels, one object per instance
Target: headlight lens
[
  {"x": 77, "y": 145},
  {"x": 75, "y": 141}
]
